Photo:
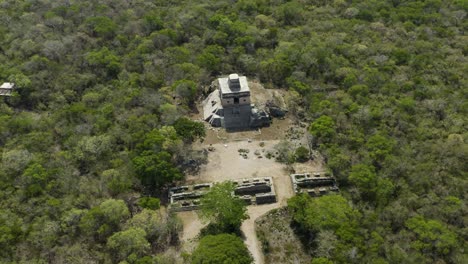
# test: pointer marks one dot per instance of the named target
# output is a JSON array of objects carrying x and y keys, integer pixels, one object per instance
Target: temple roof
[{"x": 233, "y": 84}]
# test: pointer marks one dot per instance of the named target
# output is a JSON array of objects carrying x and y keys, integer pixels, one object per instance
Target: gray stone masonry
[
  {"x": 230, "y": 106},
  {"x": 252, "y": 191},
  {"x": 315, "y": 185}
]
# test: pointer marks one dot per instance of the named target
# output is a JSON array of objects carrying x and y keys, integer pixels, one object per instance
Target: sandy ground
[
  {"x": 192, "y": 226},
  {"x": 225, "y": 163}
]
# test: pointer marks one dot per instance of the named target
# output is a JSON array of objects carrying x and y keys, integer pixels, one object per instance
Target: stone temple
[{"x": 229, "y": 106}]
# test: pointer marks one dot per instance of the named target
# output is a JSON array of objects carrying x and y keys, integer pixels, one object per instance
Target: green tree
[
  {"x": 104, "y": 58},
  {"x": 302, "y": 154},
  {"x": 34, "y": 179},
  {"x": 321, "y": 260},
  {"x": 329, "y": 212},
  {"x": 117, "y": 181},
  {"x": 298, "y": 86},
  {"x": 104, "y": 219},
  {"x": 401, "y": 56},
  {"x": 365, "y": 178},
  {"x": 16, "y": 160},
  {"x": 210, "y": 58},
  {"x": 285, "y": 152},
  {"x": 323, "y": 128},
  {"x": 189, "y": 130},
  {"x": 222, "y": 248},
  {"x": 152, "y": 141},
  {"x": 290, "y": 13},
  {"x": 379, "y": 146},
  {"x": 276, "y": 70},
  {"x": 358, "y": 90},
  {"x": 152, "y": 222},
  {"x": 172, "y": 141},
  {"x": 222, "y": 208},
  {"x": 385, "y": 190},
  {"x": 169, "y": 113},
  {"x": 102, "y": 26},
  {"x": 92, "y": 149},
  {"x": 152, "y": 22},
  {"x": 431, "y": 236},
  {"x": 155, "y": 169},
  {"x": 10, "y": 232},
  {"x": 186, "y": 89},
  {"x": 70, "y": 221},
  {"x": 21, "y": 80},
  {"x": 131, "y": 241},
  {"x": 42, "y": 234},
  {"x": 149, "y": 203}
]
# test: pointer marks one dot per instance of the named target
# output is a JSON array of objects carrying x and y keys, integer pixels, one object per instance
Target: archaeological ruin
[
  {"x": 317, "y": 184},
  {"x": 254, "y": 191},
  {"x": 230, "y": 106}
]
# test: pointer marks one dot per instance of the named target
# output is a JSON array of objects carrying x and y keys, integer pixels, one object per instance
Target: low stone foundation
[
  {"x": 253, "y": 191},
  {"x": 317, "y": 184}
]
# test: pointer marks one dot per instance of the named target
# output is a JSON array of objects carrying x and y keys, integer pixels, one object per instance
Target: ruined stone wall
[
  {"x": 315, "y": 185},
  {"x": 251, "y": 191},
  {"x": 228, "y": 102},
  {"x": 237, "y": 117}
]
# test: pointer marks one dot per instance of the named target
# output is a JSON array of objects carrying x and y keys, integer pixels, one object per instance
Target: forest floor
[{"x": 225, "y": 163}]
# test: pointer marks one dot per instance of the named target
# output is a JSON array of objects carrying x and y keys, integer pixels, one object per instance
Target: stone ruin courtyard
[
  {"x": 247, "y": 156},
  {"x": 226, "y": 162}
]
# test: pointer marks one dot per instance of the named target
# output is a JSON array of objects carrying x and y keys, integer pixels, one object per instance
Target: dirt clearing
[{"x": 225, "y": 162}]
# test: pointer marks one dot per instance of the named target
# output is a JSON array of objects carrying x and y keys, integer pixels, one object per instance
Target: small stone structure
[
  {"x": 229, "y": 106},
  {"x": 317, "y": 184},
  {"x": 187, "y": 198},
  {"x": 252, "y": 191},
  {"x": 256, "y": 190},
  {"x": 7, "y": 89}
]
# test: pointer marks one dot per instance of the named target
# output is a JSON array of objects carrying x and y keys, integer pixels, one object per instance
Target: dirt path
[
  {"x": 248, "y": 228},
  {"x": 192, "y": 226},
  {"x": 284, "y": 191}
]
